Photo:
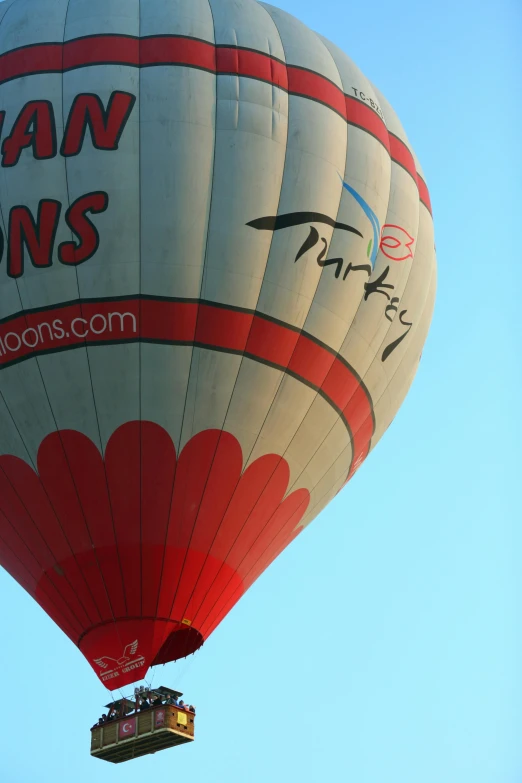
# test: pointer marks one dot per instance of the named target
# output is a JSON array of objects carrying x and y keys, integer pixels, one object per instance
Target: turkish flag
[
  {"x": 127, "y": 728},
  {"x": 159, "y": 718}
]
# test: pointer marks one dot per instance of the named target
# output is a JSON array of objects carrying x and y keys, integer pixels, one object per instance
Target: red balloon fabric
[{"x": 144, "y": 545}]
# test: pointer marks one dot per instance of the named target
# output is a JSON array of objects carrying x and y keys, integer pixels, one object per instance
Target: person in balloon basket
[
  {"x": 157, "y": 701},
  {"x": 100, "y": 721},
  {"x": 114, "y": 713},
  {"x": 186, "y": 707},
  {"x": 142, "y": 702}
]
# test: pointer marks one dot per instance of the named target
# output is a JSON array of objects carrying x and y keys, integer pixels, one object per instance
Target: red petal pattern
[{"x": 140, "y": 555}]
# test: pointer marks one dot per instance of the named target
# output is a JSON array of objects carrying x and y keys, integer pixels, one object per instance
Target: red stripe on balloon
[
  {"x": 312, "y": 85},
  {"x": 172, "y": 50},
  {"x": 188, "y": 322},
  {"x": 191, "y": 52},
  {"x": 255, "y": 65},
  {"x": 101, "y": 50},
  {"x": 360, "y": 115},
  {"x": 424, "y": 193},
  {"x": 28, "y": 60},
  {"x": 401, "y": 155}
]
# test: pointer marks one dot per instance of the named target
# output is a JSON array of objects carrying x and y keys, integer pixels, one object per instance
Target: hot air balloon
[{"x": 217, "y": 276}]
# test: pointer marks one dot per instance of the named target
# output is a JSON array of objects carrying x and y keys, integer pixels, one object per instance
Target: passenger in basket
[
  {"x": 113, "y": 712},
  {"x": 172, "y": 700}
]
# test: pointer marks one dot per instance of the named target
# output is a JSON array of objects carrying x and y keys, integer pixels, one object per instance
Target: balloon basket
[{"x": 142, "y": 734}]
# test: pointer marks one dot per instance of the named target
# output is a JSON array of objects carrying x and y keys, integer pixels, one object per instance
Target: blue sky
[{"x": 385, "y": 645}]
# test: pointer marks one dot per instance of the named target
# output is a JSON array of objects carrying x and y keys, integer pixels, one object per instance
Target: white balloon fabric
[{"x": 217, "y": 277}]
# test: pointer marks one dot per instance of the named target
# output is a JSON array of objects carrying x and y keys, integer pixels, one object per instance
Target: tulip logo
[{"x": 396, "y": 242}]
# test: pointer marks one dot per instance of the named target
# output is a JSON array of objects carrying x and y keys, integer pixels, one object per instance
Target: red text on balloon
[
  {"x": 36, "y": 238},
  {"x": 35, "y": 127}
]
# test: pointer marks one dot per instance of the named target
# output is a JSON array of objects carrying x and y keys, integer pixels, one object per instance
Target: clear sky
[{"x": 385, "y": 645}]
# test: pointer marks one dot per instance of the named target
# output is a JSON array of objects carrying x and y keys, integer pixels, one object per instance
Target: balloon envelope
[{"x": 218, "y": 274}]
